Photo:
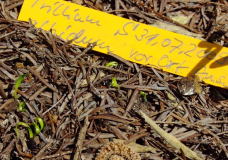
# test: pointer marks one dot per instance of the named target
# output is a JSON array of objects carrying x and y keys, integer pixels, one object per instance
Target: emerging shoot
[
  {"x": 21, "y": 107},
  {"x": 25, "y": 125},
  {"x": 114, "y": 83},
  {"x": 113, "y": 63},
  {"x": 17, "y": 84},
  {"x": 35, "y": 130},
  {"x": 143, "y": 94},
  {"x": 41, "y": 122}
]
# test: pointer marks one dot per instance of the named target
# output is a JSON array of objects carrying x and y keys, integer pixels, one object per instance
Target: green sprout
[
  {"x": 17, "y": 84},
  {"x": 25, "y": 125},
  {"x": 41, "y": 122},
  {"x": 143, "y": 94},
  {"x": 113, "y": 63},
  {"x": 36, "y": 128},
  {"x": 21, "y": 107},
  {"x": 114, "y": 83}
]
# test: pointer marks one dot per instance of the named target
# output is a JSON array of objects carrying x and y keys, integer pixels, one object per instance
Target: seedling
[
  {"x": 21, "y": 107},
  {"x": 41, "y": 122},
  {"x": 17, "y": 84},
  {"x": 25, "y": 125},
  {"x": 36, "y": 128},
  {"x": 143, "y": 94},
  {"x": 114, "y": 83},
  {"x": 113, "y": 63}
]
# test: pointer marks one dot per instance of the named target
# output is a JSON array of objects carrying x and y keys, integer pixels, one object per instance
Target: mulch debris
[{"x": 85, "y": 117}]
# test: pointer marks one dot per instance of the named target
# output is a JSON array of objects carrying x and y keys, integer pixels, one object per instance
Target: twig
[
  {"x": 37, "y": 93},
  {"x": 143, "y": 87},
  {"x": 54, "y": 105},
  {"x": 121, "y": 59},
  {"x": 41, "y": 79},
  {"x": 57, "y": 155},
  {"x": 132, "y": 101},
  {"x": 7, "y": 103},
  {"x": 81, "y": 138},
  {"x": 170, "y": 139},
  {"x": 2, "y": 92},
  {"x": 8, "y": 148},
  {"x": 42, "y": 150}
]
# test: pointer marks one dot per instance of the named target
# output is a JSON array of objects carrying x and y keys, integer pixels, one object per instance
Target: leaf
[
  {"x": 21, "y": 107},
  {"x": 113, "y": 63},
  {"x": 17, "y": 84},
  {"x": 114, "y": 83},
  {"x": 41, "y": 122},
  {"x": 25, "y": 125},
  {"x": 36, "y": 128}
]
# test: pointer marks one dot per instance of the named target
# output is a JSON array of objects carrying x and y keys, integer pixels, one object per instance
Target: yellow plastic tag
[{"x": 130, "y": 40}]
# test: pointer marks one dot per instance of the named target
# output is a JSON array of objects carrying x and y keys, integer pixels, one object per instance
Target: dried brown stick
[
  {"x": 118, "y": 133},
  {"x": 9, "y": 147},
  {"x": 43, "y": 150},
  {"x": 143, "y": 87},
  {"x": 81, "y": 138},
  {"x": 121, "y": 59},
  {"x": 37, "y": 93},
  {"x": 172, "y": 21},
  {"x": 52, "y": 38},
  {"x": 23, "y": 154},
  {"x": 92, "y": 139},
  {"x": 132, "y": 101},
  {"x": 2, "y": 92},
  {"x": 57, "y": 155},
  {"x": 86, "y": 50},
  {"x": 22, "y": 94},
  {"x": 137, "y": 136},
  {"x": 9, "y": 101},
  {"x": 201, "y": 128},
  {"x": 14, "y": 5},
  {"x": 97, "y": 109},
  {"x": 35, "y": 73},
  {"x": 6, "y": 67},
  {"x": 59, "y": 101},
  {"x": 108, "y": 68},
  {"x": 170, "y": 139},
  {"x": 110, "y": 117},
  {"x": 139, "y": 73},
  {"x": 92, "y": 88},
  {"x": 31, "y": 88}
]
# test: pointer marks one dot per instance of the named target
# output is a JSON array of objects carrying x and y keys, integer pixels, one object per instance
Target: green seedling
[
  {"x": 143, "y": 94},
  {"x": 114, "y": 83},
  {"x": 113, "y": 63},
  {"x": 21, "y": 107},
  {"x": 25, "y": 125},
  {"x": 17, "y": 84},
  {"x": 36, "y": 128},
  {"x": 41, "y": 122}
]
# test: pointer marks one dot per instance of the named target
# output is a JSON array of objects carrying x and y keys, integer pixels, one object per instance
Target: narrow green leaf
[
  {"x": 114, "y": 83},
  {"x": 41, "y": 122},
  {"x": 113, "y": 63},
  {"x": 36, "y": 128},
  {"x": 21, "y": 107},
  {"x": 25, "y": 125},
  {"x": 143, "y": 94},
  {"x": 17, "y": 84}
]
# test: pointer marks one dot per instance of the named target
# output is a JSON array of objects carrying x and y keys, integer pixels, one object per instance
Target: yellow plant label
[{"x": 133, "y": 41}]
